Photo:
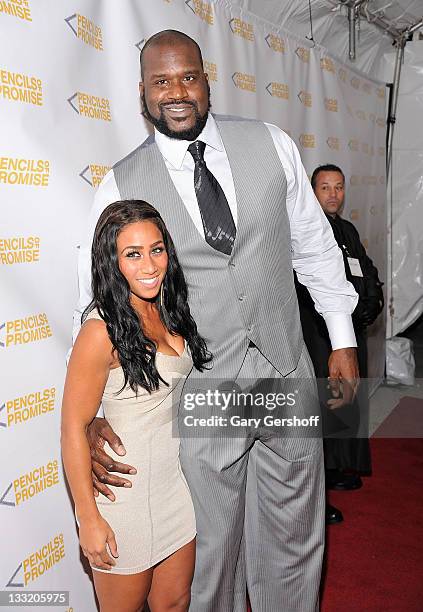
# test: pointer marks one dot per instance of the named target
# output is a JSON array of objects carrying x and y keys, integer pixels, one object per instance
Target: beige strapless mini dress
[{"x": 155, "y": 517}]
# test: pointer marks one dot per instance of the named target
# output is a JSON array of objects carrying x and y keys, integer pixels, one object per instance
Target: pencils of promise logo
[
  {"x": 202, "y": 9},
  {"x": 22, "y": 331},
  {"x": 90, "y": 106},
  {"x": 34, "y": 482},
  {"x": 86, "y": 30},
  {"x": 39, "y": 562},
  {"x": 19, "y": 250},
  {"x": 96, "y": 171},
  {"x": 19, "y": 87},
  {"x": 29, "y": 406},
  {"x": 22, "y": 171},
  {"x": 16, "y": 8},
  {"x": 244, "y": 81},
  {"x": 242, "y": 28}
]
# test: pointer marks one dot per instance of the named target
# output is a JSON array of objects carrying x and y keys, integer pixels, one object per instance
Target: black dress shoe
[
  {"x": 333, "y": 515},
  {"x": 338, "y": 481}
]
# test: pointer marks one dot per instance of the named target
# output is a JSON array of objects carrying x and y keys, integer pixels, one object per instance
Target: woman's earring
[{"x": 161, "y": 296}]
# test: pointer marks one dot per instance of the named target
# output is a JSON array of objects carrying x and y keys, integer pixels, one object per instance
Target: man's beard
[{"x": 162, "y": 126}]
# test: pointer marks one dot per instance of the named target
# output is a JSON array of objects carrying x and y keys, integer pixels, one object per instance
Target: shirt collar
[{"x": 174, "y": 150}]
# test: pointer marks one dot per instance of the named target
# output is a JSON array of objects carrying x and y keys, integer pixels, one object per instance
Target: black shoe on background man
[
  {"x": 333, "y": 515},
  {"x": 337, "y": 480}
]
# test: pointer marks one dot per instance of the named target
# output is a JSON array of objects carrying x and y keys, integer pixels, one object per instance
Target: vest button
[{"x": 241, "y": 298}]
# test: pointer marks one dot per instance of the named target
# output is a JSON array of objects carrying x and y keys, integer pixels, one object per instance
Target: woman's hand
[{"x": 94, "y": 535}]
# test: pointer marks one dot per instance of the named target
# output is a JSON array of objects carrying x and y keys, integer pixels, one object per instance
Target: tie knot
[{"x": 197, "y": 150}]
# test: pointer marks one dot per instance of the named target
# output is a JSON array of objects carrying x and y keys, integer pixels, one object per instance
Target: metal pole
[
  {"x": 415, "y": 27},
  {"x": 392, "y": 118},
  {"x": 351, "y": 22}
]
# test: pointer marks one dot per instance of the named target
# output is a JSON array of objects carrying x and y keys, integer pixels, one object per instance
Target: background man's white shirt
[{"x": 315, "y": 254}]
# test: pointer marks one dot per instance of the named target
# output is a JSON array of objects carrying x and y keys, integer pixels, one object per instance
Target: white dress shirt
[{"x": 316, "y": 256}]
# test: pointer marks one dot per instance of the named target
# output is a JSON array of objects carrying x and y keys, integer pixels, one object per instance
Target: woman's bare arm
[{"x": 88, "y": 370}]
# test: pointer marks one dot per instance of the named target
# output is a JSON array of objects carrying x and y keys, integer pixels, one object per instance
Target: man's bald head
[{"x": 168, "y": 38}]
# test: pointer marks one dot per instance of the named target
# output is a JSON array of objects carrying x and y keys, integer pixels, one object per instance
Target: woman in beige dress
[{"x": 137, "y": 344}]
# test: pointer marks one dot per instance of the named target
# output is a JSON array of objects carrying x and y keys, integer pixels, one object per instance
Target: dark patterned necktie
[{"x": 218, "y": 223}]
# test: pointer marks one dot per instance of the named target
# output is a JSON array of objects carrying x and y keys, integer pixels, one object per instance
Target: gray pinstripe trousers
[{"x": 259, "y": 505}]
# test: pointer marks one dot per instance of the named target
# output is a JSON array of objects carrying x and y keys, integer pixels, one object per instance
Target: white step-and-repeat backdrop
[{"x": 69, "y": 109}]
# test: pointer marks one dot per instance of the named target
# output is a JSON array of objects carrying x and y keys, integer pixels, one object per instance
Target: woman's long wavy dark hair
[{"x": 111, "y": 297}]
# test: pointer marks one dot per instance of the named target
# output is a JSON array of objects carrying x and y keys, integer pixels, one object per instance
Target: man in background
[{"x": 347, "y": 454}]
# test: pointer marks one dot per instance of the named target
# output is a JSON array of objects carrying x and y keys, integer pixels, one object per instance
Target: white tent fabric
[
  {"x": 330, "y": 24},
  {"x": 406, "y": 191}
]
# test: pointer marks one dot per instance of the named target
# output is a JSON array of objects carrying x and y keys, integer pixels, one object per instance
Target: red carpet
[
  {"x": 374, "y": 560},
  {"x": 405, "y": 421}
]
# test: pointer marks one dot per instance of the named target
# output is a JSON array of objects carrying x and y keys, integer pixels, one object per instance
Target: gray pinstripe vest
[{"x": 249, "y": 295}]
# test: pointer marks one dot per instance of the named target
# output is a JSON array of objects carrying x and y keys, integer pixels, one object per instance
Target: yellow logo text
[
  {"x": 244, "y": 81},
  {"x": 333, "y": 143},
  {"x": 242, "y": 28},
  {"x": 91, "y": 106},
  {"x": 89, "y": 33},
  {"x": 30, "y": 329},
  {"x": 19, "y": 250},
  {"x": 22, "y": 409},
  {"x": 308, "y": 141},
  {"x": 94, "y": 107},
  {"x": 305, "y": 98},
  {"x": 211, "y": 69},
  {"x": 16, "y": 8},
  {"x": 278, "y": 90},
  {"x": 303, "y": 54},
  {"x": 202, "y": 9},
  {"x": 36, "y": 481},
  {"x": 331, "y": 104},
  {"x": 275, "y": 43},
  {"x": 17, "y": 171},
  {"x": 19, "y": 87},
  {"x": 43, "y": 559},
  {"x": 327, "y": 64},
  {"x": 369, "y": 180}
]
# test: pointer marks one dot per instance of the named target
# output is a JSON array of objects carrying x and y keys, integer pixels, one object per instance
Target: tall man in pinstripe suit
[{"x": 259, "y": 499}]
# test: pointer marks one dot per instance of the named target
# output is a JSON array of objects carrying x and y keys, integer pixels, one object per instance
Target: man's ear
[{"x": 141, "y": 87}]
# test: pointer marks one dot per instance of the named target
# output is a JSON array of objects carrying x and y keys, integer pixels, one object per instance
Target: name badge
[{"x": 355, "y": 267}]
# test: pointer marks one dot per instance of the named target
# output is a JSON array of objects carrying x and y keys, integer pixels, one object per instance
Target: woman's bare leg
[
  {"x": 122, "y": 593},
  {"x": 171, "y": 584}
]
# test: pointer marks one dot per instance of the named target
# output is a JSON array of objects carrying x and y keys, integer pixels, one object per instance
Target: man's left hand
[{"x": 343, "y": 377}]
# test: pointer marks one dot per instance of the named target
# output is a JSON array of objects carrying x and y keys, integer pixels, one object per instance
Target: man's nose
[{"x": 177, "y": 90}]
